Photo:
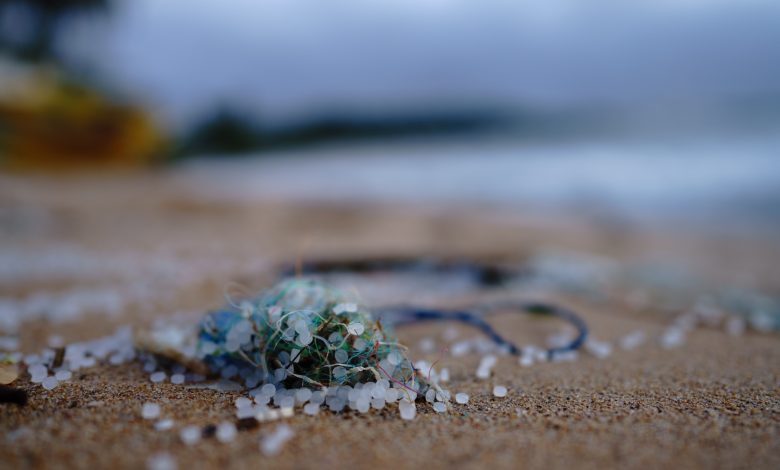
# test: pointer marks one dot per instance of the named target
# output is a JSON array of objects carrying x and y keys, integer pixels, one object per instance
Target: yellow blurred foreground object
[{"x": 49, "y": 124}]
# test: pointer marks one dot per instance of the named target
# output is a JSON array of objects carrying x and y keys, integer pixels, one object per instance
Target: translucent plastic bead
[
  {"x": 407, "y": 410},
  {"x": 63, "y": 375},
  {"x": 311, "y": 409},
  {"x": 164, "y": 425},
  {"x": 226, "y": 432},
  {"x": 268, "y": 390},
  {"x": 190, "y": 435},
  {"x": 157, "y": 377},
  {"x": 150, "y": 411},
  {"x": 302, "y": 395},
  {"x": 341, "y": 356},
  {"x": 50, "y": 383},
  {"x": 378, "y": 403},
  {"x": 363, "y": 405},
  {"x": 391, "y": 395},
  {"x": 356, "y": 328}
]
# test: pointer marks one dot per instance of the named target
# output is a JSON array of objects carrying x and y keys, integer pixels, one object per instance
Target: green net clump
[{"x": 303, "y": 333}]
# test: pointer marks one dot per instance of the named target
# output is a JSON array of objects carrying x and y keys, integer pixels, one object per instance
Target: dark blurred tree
[
  {"x": 225, "y": 132},
  {"x": 43, "y": 20}
]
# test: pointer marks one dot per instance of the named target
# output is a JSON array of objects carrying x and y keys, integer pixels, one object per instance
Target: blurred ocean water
[{"x": 728, "y": 181}]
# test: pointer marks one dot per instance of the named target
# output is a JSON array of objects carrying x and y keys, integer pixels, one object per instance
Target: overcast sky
[{"x": 287, "y": 58}]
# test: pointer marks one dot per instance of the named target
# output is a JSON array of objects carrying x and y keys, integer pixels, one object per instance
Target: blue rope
[
  {"x": 407, "y": 315},
  {"x": 485, "y": 275}
]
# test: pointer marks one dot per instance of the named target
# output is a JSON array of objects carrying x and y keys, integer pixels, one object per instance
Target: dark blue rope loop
[
  {"x": 407, "y": 315},
  {"x": 485, "y": 275}
]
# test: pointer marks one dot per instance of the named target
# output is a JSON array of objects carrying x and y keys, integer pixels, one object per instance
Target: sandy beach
[{"x": 712, "y": 402}]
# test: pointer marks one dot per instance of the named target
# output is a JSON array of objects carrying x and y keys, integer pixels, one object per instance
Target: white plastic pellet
[
  {"x": 268, "y": 390},
  {"x": 462, "y": 398},
  {"x": 190, "y": 435},
  {"x": 311, "y": 409},
  {"x": 161, "y": 462},
  {"x": 164, "y": 425},
  {"x": 632, "y": 340},
  {"x": 407, "y": 410},
  {"x": 356, "y": 328},
  {"x": 302, "y": 395},
  {"x": 486, "y": 364},
  {"x": 177, "y": 379},
  {"x": 38, "y": 373},
  {"x": 599, "y": 349},
  {"x": 262, "y": 399},
  {"x": 439, "y": 407},
  {"x": 243, "y": 402},
  {"x": 378, "y": 403},
  {"x": 273, "y": 443},
  {"x": 246, "y": 412},
  {"x": 157, "y": 377},
  {"x": 673, "y": 337},
  {"x": 287, "y": 402},
  {"x": 394, "y": 358},
  {"x": 499, "y": 391},
  {"x": 150, "y": 411},
  {"x": 49, "y": 383},
  {"x": 341, "y": 356},
  {"x": 226, "y": 432},
  {"x": 391, "y": 395},
  {"x": 63, "y": 375},
  {"x": 363, "y": 405}
]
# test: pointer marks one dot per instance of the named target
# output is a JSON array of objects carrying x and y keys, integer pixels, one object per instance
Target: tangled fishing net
[{"x": 302, "y": 333}]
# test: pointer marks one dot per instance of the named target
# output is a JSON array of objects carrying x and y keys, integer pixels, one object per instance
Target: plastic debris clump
[{"x": 302, "y": 333}]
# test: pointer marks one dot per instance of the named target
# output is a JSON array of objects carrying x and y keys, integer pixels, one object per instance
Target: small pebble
[{"x": 244, "y": 424}]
